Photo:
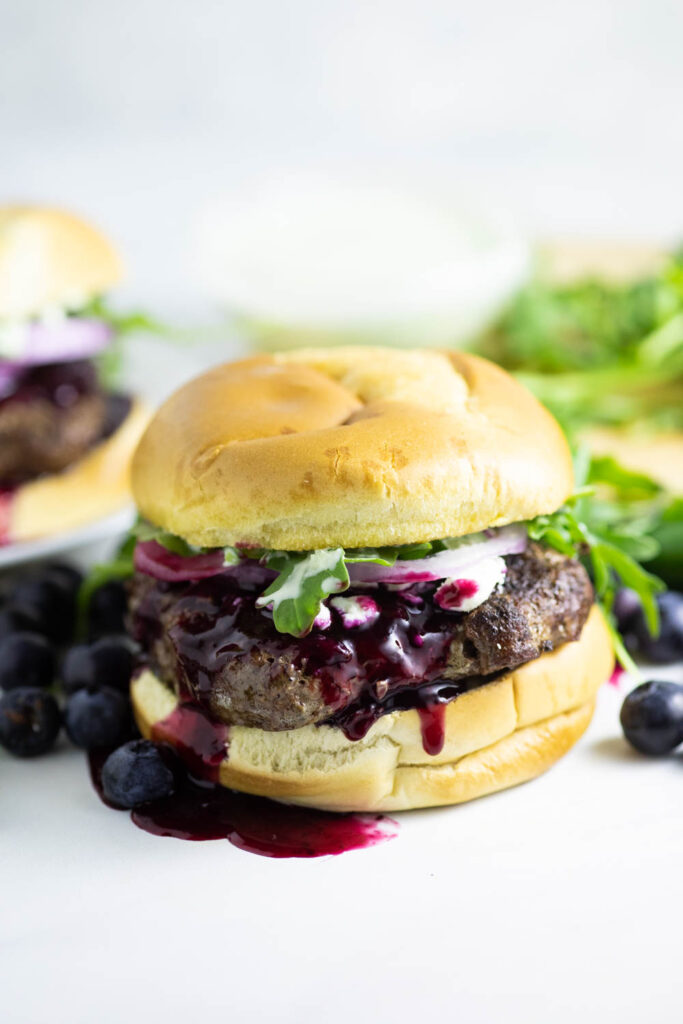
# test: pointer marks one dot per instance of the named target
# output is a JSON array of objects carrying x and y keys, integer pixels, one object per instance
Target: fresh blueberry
[
  {"x": 29, "y": 721},
  {"x": 48, "y": 603},
  {"x": 26, "y": 659},
  {"x": 137, "y": 772},
  {"x": 107, "y": 610},
  {"x": 107, "y": 662},
  {"x": 668, "y": 646},
  {"x": 627, "y": 609},
  {"x": 97, "y": 718},
  {"x": 652, "y": 717},
  {"x": 10, "y": 622}
]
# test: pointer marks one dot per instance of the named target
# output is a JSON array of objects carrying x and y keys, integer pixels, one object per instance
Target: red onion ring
[
  {"x": 509, "y": 540},
  {"x": 71, "y": 338},
  {"x": 156, "y": 561}
]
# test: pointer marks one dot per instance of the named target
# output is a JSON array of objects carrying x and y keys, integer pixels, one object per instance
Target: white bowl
[{"x": 300, "y": 262}]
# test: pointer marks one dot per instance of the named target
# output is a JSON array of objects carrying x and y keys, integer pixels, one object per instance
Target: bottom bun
[
  {"x": 496, "y": 736},
  {"x": 93, "y": 487}
]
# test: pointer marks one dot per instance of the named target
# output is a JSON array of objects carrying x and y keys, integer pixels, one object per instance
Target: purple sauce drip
[
  {"x": 216, "y": 620},
  {"x": 200, "y": 811}
]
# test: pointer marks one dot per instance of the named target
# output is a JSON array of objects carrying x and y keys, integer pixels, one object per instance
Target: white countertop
[{"x": 555, "y": 901}]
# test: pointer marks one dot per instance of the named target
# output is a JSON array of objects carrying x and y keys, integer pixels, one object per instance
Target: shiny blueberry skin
[
  {"x": 136, "y": 773},
  {"x": 26, "y": 659},
  {"x": 107, "y": 610},
  {"x": 48, "y": 603},
  {"x": 10, "y": 622},
  {"x": 652, "y": 717},
  {"x": 97, "y": 718},
  {"x": 29, "y": 721},
  {"x": 107, "y": 662},
  {"x": 668, "y": 646}
]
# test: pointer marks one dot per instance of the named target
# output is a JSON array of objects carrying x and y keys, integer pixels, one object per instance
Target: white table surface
[{"x": 557, "y": 901}]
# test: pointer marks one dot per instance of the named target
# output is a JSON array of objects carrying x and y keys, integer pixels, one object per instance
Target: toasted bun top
[
  {"x": 353, "y": 446},
  {"x": 51, "y": 258}
]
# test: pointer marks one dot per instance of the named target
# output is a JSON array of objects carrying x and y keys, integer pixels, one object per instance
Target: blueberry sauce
[
  {"x": 199, "y": 740},
  {"x": 200, "y": 811},
  {"x": 617, "y": 675},
  {"x": 363, "y": 672},
  {"x": 433, "y": 727}
]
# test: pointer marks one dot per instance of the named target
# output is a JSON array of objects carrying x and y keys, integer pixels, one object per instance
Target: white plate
[{"x": 69, "y": 541}]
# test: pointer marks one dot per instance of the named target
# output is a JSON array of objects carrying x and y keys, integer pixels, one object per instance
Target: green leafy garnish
[
  {"x": 596, "y": 352},
  {"x": 608, "y": 533},
  {"x": 303, "y": 581}
]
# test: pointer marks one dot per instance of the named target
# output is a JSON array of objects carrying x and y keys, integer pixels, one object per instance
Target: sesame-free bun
[
  {"x": 353, "y": 446},
  {"x": 498, "y": 735},
  {"x": 94, "y": 486},
  {"x": 51, "y": 258}
]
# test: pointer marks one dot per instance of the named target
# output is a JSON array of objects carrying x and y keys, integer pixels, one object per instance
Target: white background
[
  {"x": 556, "y": 902},
  {"x": 139, "y": 112}
]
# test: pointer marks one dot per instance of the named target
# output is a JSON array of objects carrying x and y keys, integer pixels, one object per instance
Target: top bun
[
  {"x": 349, "y": 447},
  {"x": 51, "y": 258}
]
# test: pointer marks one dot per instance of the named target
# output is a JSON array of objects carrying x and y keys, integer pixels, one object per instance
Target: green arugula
[
  {"x": 609, "y": 524},
  {"x": 595, "y": 352}
]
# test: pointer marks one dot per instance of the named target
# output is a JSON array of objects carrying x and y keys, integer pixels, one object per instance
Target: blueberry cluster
[
  {"x": 652, "y": 714},
  {"x": 46, "y": 682}
]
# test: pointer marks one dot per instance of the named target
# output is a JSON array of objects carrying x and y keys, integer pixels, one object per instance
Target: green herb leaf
[{"x": 303, "y": 581}]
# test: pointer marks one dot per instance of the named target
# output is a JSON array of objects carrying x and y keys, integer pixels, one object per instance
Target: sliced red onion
[
  {"x": 158, "y": 562},
  {"x": 509, "y": 540},
  {"x": 70, "y": 338}
]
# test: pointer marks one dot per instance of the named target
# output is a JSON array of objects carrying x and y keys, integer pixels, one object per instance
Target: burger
[
  {"x": 65, "y": 438},
  {"x": 337, "y": 591}
]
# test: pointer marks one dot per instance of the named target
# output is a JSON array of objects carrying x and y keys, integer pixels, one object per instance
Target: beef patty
[
  {"x": 54, "y": 416},
  {"x": 211, "y": 644}
]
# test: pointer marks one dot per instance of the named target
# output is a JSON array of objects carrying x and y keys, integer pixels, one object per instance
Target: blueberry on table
[
  {"x": 136, "y": 773},
  {"x": 652, "y": 717},
  {"x": 107, "y": 610},
  {"x": 29, "y": 721},
  {"x": 10, "y": 622},
  {"x": 668, "y": 646},
  {"x": 107, "y": 662},
  {"x": 97, "y": 718},
  {"x": 26, "y": 659},
  {"x": 48, "y": 603}
]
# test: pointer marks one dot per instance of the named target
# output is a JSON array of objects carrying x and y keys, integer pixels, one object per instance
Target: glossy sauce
[
  {"x": 199, "y": 811},
  {"x": 394, "y": 662}
]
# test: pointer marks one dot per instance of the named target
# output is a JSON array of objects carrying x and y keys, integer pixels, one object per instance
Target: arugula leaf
[
  {"x": 608, "y": 559},
  {"x": 596, "y": 352},
  {"x": 304, "y": 580},
  {"x": 124, "y": 323},
  {"x": 145, "y": 531}
]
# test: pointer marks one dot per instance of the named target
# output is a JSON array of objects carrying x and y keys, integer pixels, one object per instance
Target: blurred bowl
[{"x": 316, "y": 263}]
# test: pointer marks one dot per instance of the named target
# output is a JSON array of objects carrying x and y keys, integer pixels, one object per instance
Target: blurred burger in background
[{"x": 66, "y": 436}]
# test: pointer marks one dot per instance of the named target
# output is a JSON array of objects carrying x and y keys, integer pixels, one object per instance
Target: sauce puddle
[{"x": 203, "y": 810}]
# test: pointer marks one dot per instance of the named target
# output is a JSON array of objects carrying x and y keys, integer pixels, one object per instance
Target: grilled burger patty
[
  {"x": 212, "y": 645},
  {"x": 56, "y": 414}
]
